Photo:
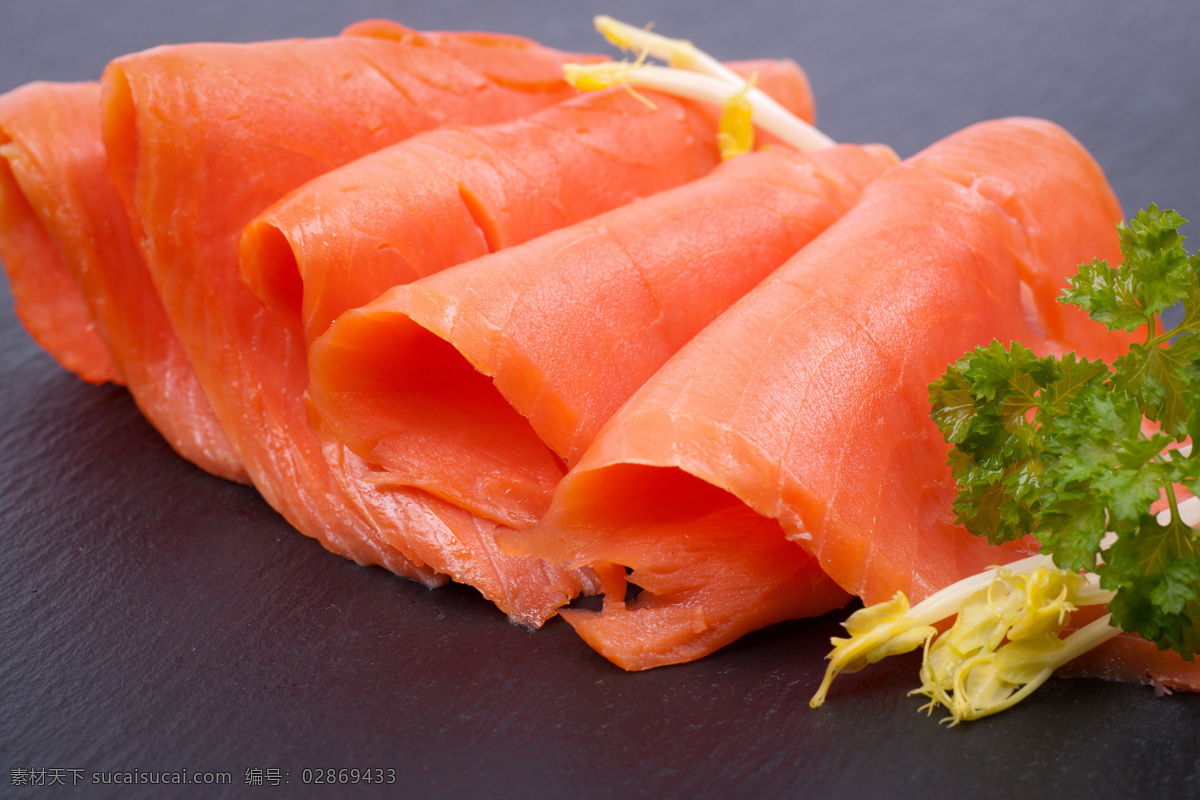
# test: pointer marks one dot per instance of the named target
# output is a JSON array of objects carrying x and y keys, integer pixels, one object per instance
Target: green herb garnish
[{"x": 1074, "y": 452}]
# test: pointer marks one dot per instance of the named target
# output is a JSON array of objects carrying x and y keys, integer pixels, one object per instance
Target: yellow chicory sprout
[
  {"x": 693, "y": 74},
  {"x": 1004, "y": 643}
]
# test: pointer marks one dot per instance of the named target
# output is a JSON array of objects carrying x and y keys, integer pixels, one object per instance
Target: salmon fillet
[
  {"x": 195, "y": 166},
  {"x": 799, "y": 418},
  {"x": 41, "y": 125},
  {"x": 457, "y": 193},
  {"x": 567, "y": 326},
  {"x": 80, "y": 284},
  {"x": 202, "y": 137},
  {"x": 478, "y": 384}
]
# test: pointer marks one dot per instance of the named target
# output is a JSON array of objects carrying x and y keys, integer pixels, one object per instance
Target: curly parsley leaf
[
  {"x": 1154, "y": 275},
  {"x": 995, "y": 406},
  {"x": 1158, "y": 377},
  {"x": 1060, "y": 448},
  {"x": 1157, "y": 576}
]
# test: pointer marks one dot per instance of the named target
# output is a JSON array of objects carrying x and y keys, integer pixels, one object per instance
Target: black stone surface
[{"x": 154, "y": 618}]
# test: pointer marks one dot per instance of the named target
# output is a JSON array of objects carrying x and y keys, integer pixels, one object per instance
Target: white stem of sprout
[
  {"x": 946, "y": 602},
  {"x": 1092, "y": 635},
  {"x": 695, "y": 75},
  {"x": 939, "y": 606},
  {"x": 767, "y": 114},
  {"x": 896, "y": 634},
  {"x": 678, "y": 53}
]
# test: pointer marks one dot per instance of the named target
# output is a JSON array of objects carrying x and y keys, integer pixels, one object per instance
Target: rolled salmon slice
[
  {"x": 195, "y": 167},
  {"x": 799, "y": 418},
  {"x": 80, "y": 283},
  {"x": 39, "y": 127},
  {"x": 490, "y": 188},
  {"x": 478, "y": 384},
  {"x": 446, "y": 197},
  {"x": 458, "y": 193},
  {"x": 200, "y": 138}
]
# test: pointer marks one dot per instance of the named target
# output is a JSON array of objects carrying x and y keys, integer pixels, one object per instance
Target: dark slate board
[{"x": 154, "y": 618}]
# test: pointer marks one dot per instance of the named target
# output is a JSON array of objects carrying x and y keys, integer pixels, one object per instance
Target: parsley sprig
[{"x": 1069, "y": 450}]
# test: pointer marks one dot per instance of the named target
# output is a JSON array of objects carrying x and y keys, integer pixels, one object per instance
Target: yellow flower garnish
[
  {"x": 1043, "y": 604},
  {"x": 1004, "y": 643},
  {"x": 736, "y": 133},
  {"x": 876, "y": 632},
  {"x": 694, "y": 75}
]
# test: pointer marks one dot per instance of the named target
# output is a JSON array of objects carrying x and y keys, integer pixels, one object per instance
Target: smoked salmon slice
[
  {"x": 200, "y": 138},
  {"x": 566, "y": 325},
  {"x": 40, "y": 121},
  {"x": 458, "y": 193},
  {"x": 479, "y": 383},
  {"x": 799, "y": 418},
  {"x": 448, "y": 196},
  {"x": 80, "y": 284},
  {"x": 79, "y": 281},
  {"x": 195, "y": 167}
]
